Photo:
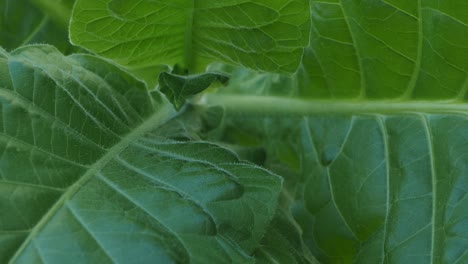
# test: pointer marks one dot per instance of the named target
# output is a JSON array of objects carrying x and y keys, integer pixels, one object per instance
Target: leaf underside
[
  {"x": 84, "y": 170},
  {"x": 373, "y": 188},
  {"x": 87, "y": 164},
  {"x": 383, "y": 184}
]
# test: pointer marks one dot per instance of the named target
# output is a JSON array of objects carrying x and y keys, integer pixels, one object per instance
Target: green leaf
[
  {"x": 267, "y": 35},
  {"x": 85, "y": 175},
  {"x": 374, "y": 186},
  {"x": 178, "y": 88},
  {"x": 374, "y": 123},
  {"x": 386, "y": 49},
  {"x": 22, "y": 22}
]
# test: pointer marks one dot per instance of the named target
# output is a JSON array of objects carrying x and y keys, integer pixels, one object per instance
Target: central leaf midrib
[
  {"x": 272, "y": 105},
  {"x": 189, "y": 59},
  {"x": 163, "y": 114},
  {"x": 434, "y": 218}
]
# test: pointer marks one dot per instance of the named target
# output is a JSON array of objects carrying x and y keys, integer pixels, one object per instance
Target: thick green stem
[
  {"x": 56, "y": 10},
  {"x": 269, "y": 105}
]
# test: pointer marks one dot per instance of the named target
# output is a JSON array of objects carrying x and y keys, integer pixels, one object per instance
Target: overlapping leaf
[
  {"x": 374, "y": 123},
  {"x": 86, "y": 177},
  {"x": 373, "y": 187},
  {"x": 266, "y": 35}
]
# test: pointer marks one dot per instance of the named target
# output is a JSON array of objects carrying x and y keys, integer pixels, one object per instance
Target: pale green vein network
[
  {"x": 398, "y": 71},
  {"x": 34, "y": 109},
  {"x": 130, "y": 199},
  {"x": 157, "y": 119},
  {"x": 165, "y": 184},
  {"x": 413, "y": 209},
  {"x": 78, "y": 117},
  {"x": 401, "y": 50},
  {"x": 263, "y": 35}
]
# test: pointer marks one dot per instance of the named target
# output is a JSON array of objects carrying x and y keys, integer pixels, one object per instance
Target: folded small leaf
[
  {"x": 86, "y": 177},
  {"x": 178, "y": 88}
]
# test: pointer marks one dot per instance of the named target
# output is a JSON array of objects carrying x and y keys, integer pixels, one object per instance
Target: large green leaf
[
  {"x": 85, "y": 175},
  {"x": 267, "y": 35},
  {"x": 375, "y": 124},
  {"x": 22, "y": 22},
  {"x": 374, "y": 187}
]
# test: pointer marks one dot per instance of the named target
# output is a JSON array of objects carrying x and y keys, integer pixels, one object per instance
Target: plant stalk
[{"x": 270, "y": 105}]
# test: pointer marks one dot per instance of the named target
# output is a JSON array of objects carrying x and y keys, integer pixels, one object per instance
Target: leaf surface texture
[
  {"x": 371, "y": 130},
  {"x": 86, "y": 176},
  {"x": 265, "y": 35}
]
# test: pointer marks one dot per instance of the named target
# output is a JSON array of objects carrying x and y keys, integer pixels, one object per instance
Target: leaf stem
[
  {"x": 270, "y": 105},
  {"x": 56, "y": 10}
]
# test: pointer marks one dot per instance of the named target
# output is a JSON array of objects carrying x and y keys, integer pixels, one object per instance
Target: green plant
[{"x": 267, "y": 131}]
